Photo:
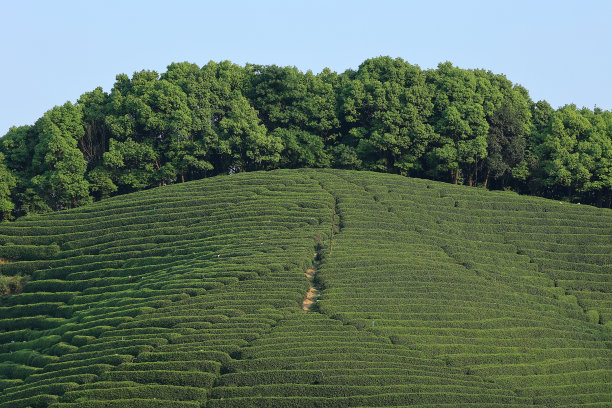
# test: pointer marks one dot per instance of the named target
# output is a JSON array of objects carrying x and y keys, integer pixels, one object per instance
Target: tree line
[{"x": 462, "y": 126}]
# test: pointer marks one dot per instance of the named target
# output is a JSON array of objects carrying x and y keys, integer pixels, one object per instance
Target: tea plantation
[{"x": 192, "y": 295}]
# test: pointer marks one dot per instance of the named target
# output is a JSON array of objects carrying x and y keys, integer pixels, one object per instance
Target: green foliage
[
  {"x": 244, "y": 143},
  {"x": 459, "y": 109},
  {"x": 386, "y": 106},
  {"x": 118, "y": 391},
  {"x": 28, "y": 252},
  {"x": 301, "y": 149},
  {"x": 574, "y": 152},
  {"x": 133, "y": 166},
  {"x": 464, "y": 126},
  {"x": 190, "y": 294},
  {"x": 11, "y": 284},
  {"x": 593, "y": 316},
  {"x": 506, "y": 141},
  {"x": 7, "y": 184},
  {"x": 58, "y": 164}
]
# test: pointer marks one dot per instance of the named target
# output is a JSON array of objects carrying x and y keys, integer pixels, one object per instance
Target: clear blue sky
[{"x": 53, "y": 51}]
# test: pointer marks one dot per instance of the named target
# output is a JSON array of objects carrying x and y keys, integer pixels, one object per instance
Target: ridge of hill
[{"x": 191, "y": 295}]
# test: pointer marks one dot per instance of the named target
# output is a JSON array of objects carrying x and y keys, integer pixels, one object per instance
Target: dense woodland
[{"x": 462, "y": 126}]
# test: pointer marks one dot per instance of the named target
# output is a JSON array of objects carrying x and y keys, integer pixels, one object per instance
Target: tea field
[{"x": 420, "y": 294}]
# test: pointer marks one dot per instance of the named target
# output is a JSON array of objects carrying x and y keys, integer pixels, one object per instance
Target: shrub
[
  {"x": 95, "y": 369},
  {"x": 28, "y": 252},
  {"x": 167, "y": 377},
  {"x": 11, "y": 370},
  {"x": 37, "y": 401},
  {"x": 113, "y": 359},
  {"x": 10, "y": 285},
  {"x": 272, "y": 376},
  {"x": 49, "y": 389},
  {"x": 592, "y": 316},
  {"x": 132, "y": 403},
  {"x": 161, "y": 392}
]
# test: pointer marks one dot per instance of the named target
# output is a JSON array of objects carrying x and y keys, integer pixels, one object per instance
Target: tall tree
[
  {"x": 244, "y": 143},
  {"x": 58, "y": 164},
  {"x": 150, "y": 118},
  {"x": 298, "y": 107},
  {"x": 385, "y": 107},
  {"x": 509, "y": 126},
  {"x": 460, "y": 123},
  {"x": 566, "y": 153},
  {"x": 94, "y": 141},
  {"x": 7, "y": 184},
  {"x": 301, "y": 149},
  {"x": 598, "y": 146},
  {"x": 18, "y": 148},
  {"x": 129, "y": 165},
  {"x": 189, "y": 155}
]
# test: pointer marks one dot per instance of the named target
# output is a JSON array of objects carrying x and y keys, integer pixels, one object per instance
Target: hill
[
  {"x": 308, "y": 288},
  {"x": 462, "y": 126}
]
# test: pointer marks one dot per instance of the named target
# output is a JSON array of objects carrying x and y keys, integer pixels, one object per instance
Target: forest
[{"x": 461, "y": 126}]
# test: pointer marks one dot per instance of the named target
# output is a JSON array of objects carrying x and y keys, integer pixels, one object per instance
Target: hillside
[{"x": 423, "y": 293}]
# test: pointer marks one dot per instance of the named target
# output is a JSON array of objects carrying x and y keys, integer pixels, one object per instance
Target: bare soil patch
[{"x": 313, "y": 293}]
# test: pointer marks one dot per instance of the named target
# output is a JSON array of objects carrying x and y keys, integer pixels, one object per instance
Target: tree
[
  {"x": 7, "y": 184},
  {"x": 244, "y": 143},
  {"x": 192, "y": 157},
  {"x": 286, "y": 98},
  {"x": 18, "y": 149},
  {"x": 299, "y": 108},
  {"x": 460, "y": 123},
  {"x": 595, "y": 153},
  {"x": 567, "y": 154},
  {"x": 385, "y": 108},
  {"x": 130, "y": 166},
  {"x": 506, "y": 140},
  {"x": 59, "y": 167},
  {"x": 301, "y": 149},
  {"x": 150, "y": 124},
  {"x": 541, "y": 113},
  {"x": 101, "y": 182},
  {"x": 94, "y": 142}
]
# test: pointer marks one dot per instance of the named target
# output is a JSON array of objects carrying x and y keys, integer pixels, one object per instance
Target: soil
[
  {"x": 311, "y": 298},
  {"x": 313, "y": 293}
]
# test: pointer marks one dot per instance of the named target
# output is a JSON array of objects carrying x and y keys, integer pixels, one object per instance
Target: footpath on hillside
[{"x": 313, "y": 293}]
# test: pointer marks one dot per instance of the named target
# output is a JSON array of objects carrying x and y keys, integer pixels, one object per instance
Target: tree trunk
[
  {"x": 182, "y": 178},
  {"x": 487, "y": 179},
  {"x": 456, "y": 181}
]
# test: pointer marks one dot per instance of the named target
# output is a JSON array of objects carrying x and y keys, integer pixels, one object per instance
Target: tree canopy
[{"x": 461, "y": 126}]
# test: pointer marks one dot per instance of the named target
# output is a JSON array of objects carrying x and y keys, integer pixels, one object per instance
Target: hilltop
[
  {"x": 420, "y": 293},
  {"x": 462, "y": 126}
]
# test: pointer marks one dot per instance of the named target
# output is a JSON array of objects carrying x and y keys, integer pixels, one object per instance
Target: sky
[{"x": 54, "y": 51}]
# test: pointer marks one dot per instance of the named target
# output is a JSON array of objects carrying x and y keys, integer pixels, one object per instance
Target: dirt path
[{"x": 313, "y": 293}]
